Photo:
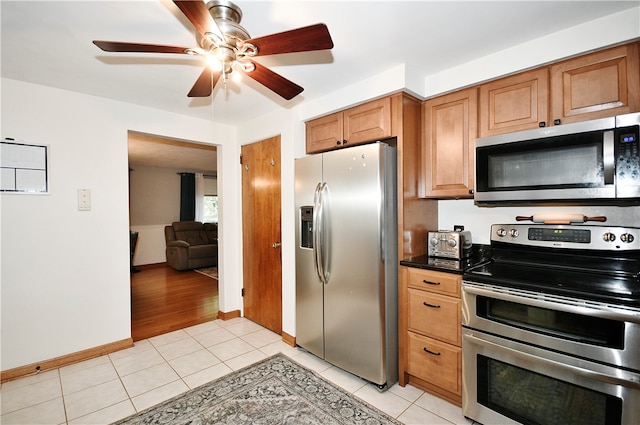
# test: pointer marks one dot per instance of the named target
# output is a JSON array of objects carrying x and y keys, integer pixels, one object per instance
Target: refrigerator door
[
  {"x": 354, "y": 295},
  {"x": 309, "y": 290}
]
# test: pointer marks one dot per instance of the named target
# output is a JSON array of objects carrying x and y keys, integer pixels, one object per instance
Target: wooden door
[
  {"x": 261, "y": 230},
  {"x": 450, "y": 130}
]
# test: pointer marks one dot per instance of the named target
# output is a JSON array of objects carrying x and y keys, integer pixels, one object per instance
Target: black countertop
[{"x": 479, "y": 254}]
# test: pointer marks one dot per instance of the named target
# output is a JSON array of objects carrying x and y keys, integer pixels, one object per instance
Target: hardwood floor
[{"x": 165, "y": 300}]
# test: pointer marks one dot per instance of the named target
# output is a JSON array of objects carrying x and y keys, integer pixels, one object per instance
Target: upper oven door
[
  {"x": 571, "y": 162},
  {"x": 585, "y": 329}
]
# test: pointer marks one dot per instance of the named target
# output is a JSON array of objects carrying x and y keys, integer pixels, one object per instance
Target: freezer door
[
  {"x": 354, "y": 296},
  {"x": 309, "y": 290}
]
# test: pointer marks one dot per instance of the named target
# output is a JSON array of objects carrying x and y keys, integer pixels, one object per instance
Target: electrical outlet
[{"x": 84, "y": 200}]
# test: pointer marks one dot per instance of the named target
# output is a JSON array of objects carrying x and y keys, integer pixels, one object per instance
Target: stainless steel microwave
[{"x": 590, "y": 161}]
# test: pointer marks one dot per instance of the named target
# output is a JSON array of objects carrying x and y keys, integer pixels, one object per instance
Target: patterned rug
[
  {"x": 209, "y": 271},
  {"x": 276, "y": 390}
]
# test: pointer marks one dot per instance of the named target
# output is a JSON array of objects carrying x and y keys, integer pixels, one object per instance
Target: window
[{"x": 210, "y": 208}]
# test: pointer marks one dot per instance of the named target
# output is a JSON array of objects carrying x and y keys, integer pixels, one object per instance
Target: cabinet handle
[
  {"x": 470, "y": 191},
  {"x": 344, "y": 142},
  {"x": 430, "y": 352},
  {"x": 542, "y": 124},
  {"x": 557, "y": 122},
  {"x": 430, "y": 305},
  {"x": 428, "y": 282},
  {"x": 338, "y": 142}
]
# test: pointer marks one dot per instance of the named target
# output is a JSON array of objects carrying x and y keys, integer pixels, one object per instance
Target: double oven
[{"x": 551, "y": 327}]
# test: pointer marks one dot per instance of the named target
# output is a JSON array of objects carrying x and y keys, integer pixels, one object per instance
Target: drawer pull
[
  {"x": 430, "y": 305},
  {"x": 430, "y": 352},
  {"x": 428, "y": 282}
]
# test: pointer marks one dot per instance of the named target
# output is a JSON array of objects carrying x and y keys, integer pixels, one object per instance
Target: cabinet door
[
  {"x": 515, "y": 103},
  {"x": 435, "y": 362},
  {"x": 450, "y": 130},
  {"x": 596, "y": 85},
  {"x": 435, "y": 315},
  {"x": 368, "y": 122},
  {"x": 435, "y": 281},
  {"x": 324, "y": 133}
]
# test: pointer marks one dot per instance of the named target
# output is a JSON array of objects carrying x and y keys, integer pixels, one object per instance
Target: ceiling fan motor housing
[{"x": 228, "y": 16}]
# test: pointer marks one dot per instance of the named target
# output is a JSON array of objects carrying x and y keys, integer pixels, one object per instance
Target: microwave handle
[{"x": 608, "y": 156}]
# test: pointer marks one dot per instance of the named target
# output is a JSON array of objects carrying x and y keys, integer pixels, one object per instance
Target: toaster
[{"x": 449, "y": 244}]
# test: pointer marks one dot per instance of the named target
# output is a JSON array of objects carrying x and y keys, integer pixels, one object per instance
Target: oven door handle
[
  {"x": 629, "y": 382},
  {"x": 547, "y": 301}
]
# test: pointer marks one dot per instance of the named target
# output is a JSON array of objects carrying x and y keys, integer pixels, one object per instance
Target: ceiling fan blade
[
  {"x": 198, "y": 13},
  {"x": 205, "y": 83},
  {"x": 274, "y": 82},
  {"x": 116, "y": 46},
  {"x": 305, "y": 39}
]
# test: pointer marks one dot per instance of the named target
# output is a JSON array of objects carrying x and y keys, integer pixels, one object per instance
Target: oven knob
[
  {"x": 434, "y": 241},
  {"x": 609, "y": 237},
  {"x": 627, "y": 237},
  {"x": 514, "y": 233},
  {"x": 452, "y": 242},
  {"x": 501, "y": 232}
]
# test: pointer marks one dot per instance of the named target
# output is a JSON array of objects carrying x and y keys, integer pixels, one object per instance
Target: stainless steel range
[{"x": 551, "y": 327}]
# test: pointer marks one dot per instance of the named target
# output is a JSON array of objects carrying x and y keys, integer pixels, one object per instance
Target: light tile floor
[{"x": 111, "y": 387}]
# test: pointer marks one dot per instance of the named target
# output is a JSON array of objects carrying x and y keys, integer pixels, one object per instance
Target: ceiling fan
[{"x": 228, "y": 47}]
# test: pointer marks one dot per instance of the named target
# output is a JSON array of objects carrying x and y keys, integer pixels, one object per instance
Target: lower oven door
[{"x": 507, "y": 382}]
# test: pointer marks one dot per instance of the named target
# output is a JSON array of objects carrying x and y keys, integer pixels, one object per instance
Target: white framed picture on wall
[{"x": 24, "y": 167}]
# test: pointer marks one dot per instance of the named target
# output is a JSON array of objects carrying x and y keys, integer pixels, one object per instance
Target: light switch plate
[{"x": 84, "y": 200}]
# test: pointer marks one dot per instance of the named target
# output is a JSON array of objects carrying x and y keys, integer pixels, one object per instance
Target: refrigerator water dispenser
[{"x": 306, "y": 222}]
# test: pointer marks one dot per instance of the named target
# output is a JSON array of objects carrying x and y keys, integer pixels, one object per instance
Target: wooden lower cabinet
[
  {"x": 430, "y": 334},
  {"x": 435, "y": 362}
]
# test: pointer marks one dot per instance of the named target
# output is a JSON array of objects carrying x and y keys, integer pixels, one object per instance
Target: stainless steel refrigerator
[{"x": 346, "y": 259}]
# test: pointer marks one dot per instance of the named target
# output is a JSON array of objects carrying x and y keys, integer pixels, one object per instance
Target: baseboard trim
[
  {"x": 222, "y": 315},
  {"x": 32, "y": 369},
  {"x": 288, "y": 339}
]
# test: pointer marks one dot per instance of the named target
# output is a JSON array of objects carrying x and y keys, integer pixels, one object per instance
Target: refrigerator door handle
[
  {"x": 317, "y": 245},
  {"x": 322, "y": 231}
]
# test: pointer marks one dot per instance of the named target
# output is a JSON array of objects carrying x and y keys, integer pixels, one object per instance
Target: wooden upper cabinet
[
  {"x": 450, "y": 130},
  {"x": 596, "y": 85},
  {"x": 324, "y": 133},
  {"x": 515, "y": 103},
  {"x": 360, "y": 124},
  {"x": 368, "y": 122}
]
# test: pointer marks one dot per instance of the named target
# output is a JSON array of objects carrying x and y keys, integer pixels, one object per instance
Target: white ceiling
[
  {"x": 153, "y": 151},
  {"x": 49, "y": 43}
]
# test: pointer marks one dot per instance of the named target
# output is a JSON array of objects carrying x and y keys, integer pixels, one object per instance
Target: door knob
[{"x": 276, "y": 244}]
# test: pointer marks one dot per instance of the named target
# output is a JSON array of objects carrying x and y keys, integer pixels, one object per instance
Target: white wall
[
  {"x": 65, "y": 273},
  {"x": 479, "y": 219},
  {"x": 154, "y": 202},
  {"x": 155, "y": 195}
]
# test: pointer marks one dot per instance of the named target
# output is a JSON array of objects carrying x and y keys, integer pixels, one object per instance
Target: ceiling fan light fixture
[
  {"x": 213, "y": 63},
  {"x": 226, "y": 47}
]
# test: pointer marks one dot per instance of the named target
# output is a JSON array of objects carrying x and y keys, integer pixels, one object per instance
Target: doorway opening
[{"x": 164, "y": 299}]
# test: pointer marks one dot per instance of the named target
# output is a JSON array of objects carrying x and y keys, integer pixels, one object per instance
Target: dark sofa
[{"x": 191, "y": 244}]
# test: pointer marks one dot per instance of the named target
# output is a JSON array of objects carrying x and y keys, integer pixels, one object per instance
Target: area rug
[
  {"x": 209, "y": 271},
  {"x": 276, "y": 390}
]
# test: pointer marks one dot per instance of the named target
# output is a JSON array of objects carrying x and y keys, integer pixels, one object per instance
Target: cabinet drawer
[
  {"x": 442, "y": 283},
  {"x": 435, "y": 315},
  {"x": 435, "y": 362}
]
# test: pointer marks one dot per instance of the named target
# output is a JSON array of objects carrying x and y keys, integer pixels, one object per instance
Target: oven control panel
[{"x": 610, "y": 238}]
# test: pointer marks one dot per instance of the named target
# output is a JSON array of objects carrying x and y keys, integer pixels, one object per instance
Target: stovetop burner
[{"x": 608, "y": 273}]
